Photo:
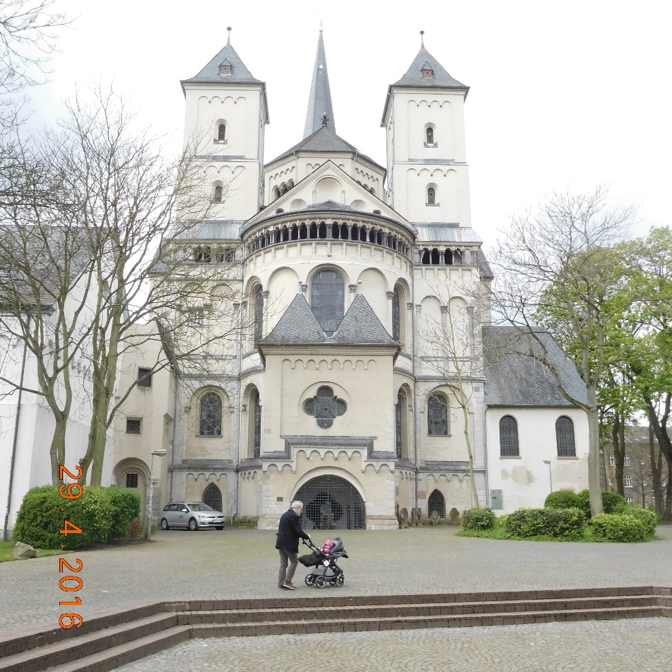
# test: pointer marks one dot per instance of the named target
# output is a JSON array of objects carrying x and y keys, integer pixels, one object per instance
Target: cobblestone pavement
[
  {"x": 597, "y": 646},
  {"x": 180, "y": 565}
]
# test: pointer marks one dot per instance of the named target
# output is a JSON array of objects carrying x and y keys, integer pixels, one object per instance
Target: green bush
[
  {"x": 40, "y": 519},
  {"x": 558, "y": 523},
  {"x": 125, "y": 507},
  {"x": 646, "y": 517},
  {"x": 612, "y": 502},
  {"x": 619, "y": 528},
  {"x": 562, "y": 499},
  {"x": 478, "y": 519}
]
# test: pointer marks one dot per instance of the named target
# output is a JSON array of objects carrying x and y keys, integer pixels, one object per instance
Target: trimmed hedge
[
  {"x": 478, "y": 519},
  {"x": 646, "y": 517},
  {"x": 125, "y": 508},
  {"x": 558, "y": 523},
  {"x": 99, "y": 513},
  {"x": 619, "y": 528},
  {"x": 562, "y": 499},
  {"x": 612, "y": 502}
]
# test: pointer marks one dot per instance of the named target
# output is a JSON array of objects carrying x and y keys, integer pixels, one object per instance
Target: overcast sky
[{"x": 563, "y": 95}]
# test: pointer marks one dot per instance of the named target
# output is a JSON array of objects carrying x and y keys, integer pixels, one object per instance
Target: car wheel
[
  {"x": 193, "y": 525},
  {"x": 164, "y": 524}
]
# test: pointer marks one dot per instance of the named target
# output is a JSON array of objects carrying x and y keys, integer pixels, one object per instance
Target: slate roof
[
  {"x": 441, "y": 78},
  {"x": 319, "y": 102},
  {"x": 213, "y": 229},
  {"x": 484, "y": 266},
  {"x": 321, "y": 141},
  {"x": 210, "y": 73},
  {"x": 515, "y": 378},
  {"x": 360, "y": 326}
]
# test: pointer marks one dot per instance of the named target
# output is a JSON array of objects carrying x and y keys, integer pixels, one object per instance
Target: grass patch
[{"x": 7, "y": 548}]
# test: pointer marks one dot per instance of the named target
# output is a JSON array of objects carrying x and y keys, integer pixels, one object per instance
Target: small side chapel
[{"x": 346, "y": 393}]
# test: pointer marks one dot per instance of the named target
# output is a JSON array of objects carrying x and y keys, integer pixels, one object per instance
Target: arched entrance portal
[{"x": 331, "y": 503}]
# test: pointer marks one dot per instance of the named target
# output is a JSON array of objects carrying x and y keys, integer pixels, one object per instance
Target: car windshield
[{"x": 200, "y": 507}]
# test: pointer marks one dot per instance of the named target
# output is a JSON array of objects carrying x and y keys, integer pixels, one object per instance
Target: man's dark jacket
[{"x": 289, "y": 532}]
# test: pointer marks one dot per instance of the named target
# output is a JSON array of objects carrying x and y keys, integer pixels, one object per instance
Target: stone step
[
  {"x": 37, "y": 636},
  {"x": 123, "y": 654},
  {"x": 331, "y": 597},
  {"x": 413, "y": 622},
  {"x": 74, "y": 648},
  {"x": 234, "y": 616},
  {"x": 120, "y": 636}
]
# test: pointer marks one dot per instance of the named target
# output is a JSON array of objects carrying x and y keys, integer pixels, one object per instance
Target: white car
[{"x": 192, "y": 515}]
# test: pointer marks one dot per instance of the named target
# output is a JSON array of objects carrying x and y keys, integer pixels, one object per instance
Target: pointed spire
[
  {"x": 319, "y": 102},
  {"x": 228, "y": 39}
]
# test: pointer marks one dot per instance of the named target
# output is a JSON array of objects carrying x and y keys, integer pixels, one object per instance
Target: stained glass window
[
  {"x": 258, "y": 316},
  {"x": 437, "y": 415},
  {"x": 211, "y": 415},
  {"x": 564, "y": 434},
  {"x": 256, "y": 434},
  {"x": 508, "y": 437},
  {"x": 326, "y": 298},
  {"x": 396, "y": 316},
  {"x": 324, "y": 407}
]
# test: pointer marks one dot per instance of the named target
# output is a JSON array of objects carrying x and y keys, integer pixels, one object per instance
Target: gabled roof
[
  {"x": 327, "y": 168},
  {"x": 319, "y": 102},
  {"x": 515, "y": 378},
  {"x": 323, "y": 140},
  {"x": 441, "y": 79},
  {"x": 413, "y": 78},
  {"x": 210, "y": 73},
  {"x": 359, "y": 326}
]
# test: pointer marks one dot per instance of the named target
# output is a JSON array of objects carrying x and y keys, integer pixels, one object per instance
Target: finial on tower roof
[
  {"x": 422, "y": 38},
  {"x": 228, "y": 41},
  {"x": 325, "y": 120},
  {"x": 320, "y": 25}
]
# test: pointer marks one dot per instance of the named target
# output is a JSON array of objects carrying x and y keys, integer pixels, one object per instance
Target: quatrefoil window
[{"x": 324, "y": 407}]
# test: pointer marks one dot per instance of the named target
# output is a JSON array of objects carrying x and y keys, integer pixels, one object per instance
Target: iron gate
[{"x": 331, "y": 503}]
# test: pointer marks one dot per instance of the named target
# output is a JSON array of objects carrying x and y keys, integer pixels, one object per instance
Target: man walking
[{"x": 289, "y": 533}]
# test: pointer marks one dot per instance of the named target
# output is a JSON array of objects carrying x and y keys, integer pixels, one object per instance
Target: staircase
[{"x": 121, "y": 636}]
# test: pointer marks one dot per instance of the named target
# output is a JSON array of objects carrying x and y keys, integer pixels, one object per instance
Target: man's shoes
[{"x": 288, "y": 585}]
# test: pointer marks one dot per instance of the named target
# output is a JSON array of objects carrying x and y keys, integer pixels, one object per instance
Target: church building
[{"x": 366, "y": 377}]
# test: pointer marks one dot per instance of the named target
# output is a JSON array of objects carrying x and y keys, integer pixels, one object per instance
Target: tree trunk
[
  {"x": 656, "y": 473},
  {"x": 594, "y": 488},
  {"x": 618, "y": 443},
  {"x": 57, "y": 449},
  {"x": 474, "y": 491},
  {"x": 665, "y": 445}
]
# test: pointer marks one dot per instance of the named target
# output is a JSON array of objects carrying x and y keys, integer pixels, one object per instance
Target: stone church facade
[{"x": 358, "y": 381}]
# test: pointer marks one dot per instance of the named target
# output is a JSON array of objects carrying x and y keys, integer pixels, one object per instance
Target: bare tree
[
  {"x": 133, "y": 216},
  {"x": 556, "y": 270},
  {"x": 27, "y": 40},
  {"x": 453, "y": 343}
]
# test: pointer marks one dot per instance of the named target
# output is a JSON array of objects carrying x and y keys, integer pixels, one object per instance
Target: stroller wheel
[
  {"x": 321, "y": 582},
  {"x": 340, "y": 579},
  {"x": 310, "y": 579}
]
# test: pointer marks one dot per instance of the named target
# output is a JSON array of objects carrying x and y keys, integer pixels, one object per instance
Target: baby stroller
[{"x": 326, "y": 571}]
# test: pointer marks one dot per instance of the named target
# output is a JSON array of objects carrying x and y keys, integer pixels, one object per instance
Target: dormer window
[
  {"x": 225, "y": 67},
  {"x": 427, "y": 70}
]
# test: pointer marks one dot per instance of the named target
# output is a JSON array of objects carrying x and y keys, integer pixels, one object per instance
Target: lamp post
[
  {"x": 550, "y": 476},
  {"x": 159, "y": 453}
]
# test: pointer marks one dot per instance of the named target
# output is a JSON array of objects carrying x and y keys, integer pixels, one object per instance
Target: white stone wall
[{"x": 524, "y": 480}]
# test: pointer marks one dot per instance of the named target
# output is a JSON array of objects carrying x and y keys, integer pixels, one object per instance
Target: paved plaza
[{"x": 243, "y": 563}]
